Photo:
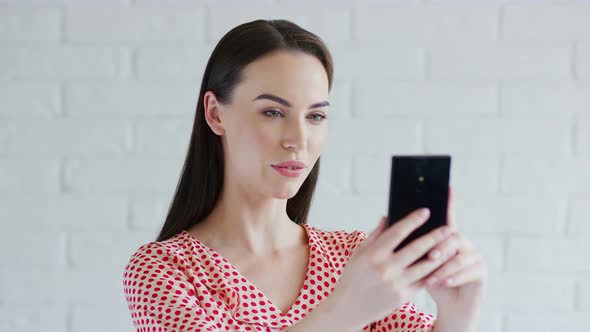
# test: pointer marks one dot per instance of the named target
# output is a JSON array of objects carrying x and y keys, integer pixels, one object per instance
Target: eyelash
[{"x": 324, "y": 117}]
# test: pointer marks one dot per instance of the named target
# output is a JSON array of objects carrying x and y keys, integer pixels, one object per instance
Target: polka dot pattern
[{"x": 180, "y": 284}]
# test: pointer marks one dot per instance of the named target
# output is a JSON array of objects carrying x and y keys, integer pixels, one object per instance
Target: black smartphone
[{"x": 419, "y": 181}]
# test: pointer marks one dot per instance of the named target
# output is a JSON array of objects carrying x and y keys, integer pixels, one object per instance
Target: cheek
[
  {"x": 265, "y": 136},
  {"x": 318, "y": 140},
  {"x": 255, "y": 143}
]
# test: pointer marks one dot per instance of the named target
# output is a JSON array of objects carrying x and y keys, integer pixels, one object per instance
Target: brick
[
  {"x": 372, "y": 174},
  {"x": 54, "y": 213},
  {"x": 195, "y": 2},
  {"x": 367, "y": 137},
  {"x": 65, "y": 137},
  {"x": 172, "y": 63},
  {"x": 483, "y": 214},
  {"x": 105, "y": 248},
  {"x": 491, "y": 247},
  {"x": 122, "y": 175},
  {"x": 533, "y": 98},
  {"x": 29, "y": 24},
  {"x": 164, "y": 137},
  {"x": 63, "y": 62},
  {"x": 335, "y": 175},
  {"x": 498, "y": 2},
  {"x": 468, "y": 175},
  {"x": 473, "y": 175},
  {"x": 26, "y": 318},
  {"x": 386, "y": 61},
  {"x": 583, "y": 61},
  {"x": 91, "y": 318},
  {"x": 137, "y": 24},
  {"x": 148, "y": 213},
  {"x": 39, "y": 249},
  {"x": 546, "y": 322},
  {"x": 546, "y": 255},
  {"x": 331, "y": 24},
  {"x": 488, "y": 137},
  {"x": 418, "y": 99},
  {"x": 29, "y": 100},
  {"x": 579, "y": 216},
  {"x": 584, "y": 295},
  {"x": 62, "y": 2},
  {"x": 545, "y": 22},
  {"x": 348, "y": 212},
  {"x": 542, "y": 176},
  {"x": 499, "y": 61},
  {"x": 340, "y": 100},
  {"x": 58, "y": 286},
  {"x": 29, "y": 176},
  {"x": 582, "y": 135},
  {"x": 410, "y": 24},
  {"x": 540, "y": 294},
  {"x": 139, "y": 99}
]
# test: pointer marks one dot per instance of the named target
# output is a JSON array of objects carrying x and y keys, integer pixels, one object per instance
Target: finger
[
  {"x": 395, "y": 234},
  {"x": 377, "y": 231},
  {"x": 418, "y": 271},
  {"x": 451, "y": 267},
  {"x": 473, "y": 272},
  {"x": 419, "y": 247},
  {"x": 451, "y": 246}
]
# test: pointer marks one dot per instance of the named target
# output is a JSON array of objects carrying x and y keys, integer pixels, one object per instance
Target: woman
[{"x": 236, "y": 253}]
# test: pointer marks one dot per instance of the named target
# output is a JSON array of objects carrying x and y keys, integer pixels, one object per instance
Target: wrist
[{"x": 457, "y": 320}]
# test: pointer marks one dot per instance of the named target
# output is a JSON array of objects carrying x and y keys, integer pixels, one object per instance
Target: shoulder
[
  {"x": 339, "y": 239},
  {"x": 171, "y": 252}
]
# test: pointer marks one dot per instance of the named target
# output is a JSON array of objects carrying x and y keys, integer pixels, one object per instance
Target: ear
[{"x": 213, "y": 113}]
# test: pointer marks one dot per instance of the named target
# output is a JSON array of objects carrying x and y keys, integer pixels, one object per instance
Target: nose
[{"x": 295, "y": 137}]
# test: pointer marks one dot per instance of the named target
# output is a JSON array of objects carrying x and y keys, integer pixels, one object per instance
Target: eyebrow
[{"x": 286, "y": 103}]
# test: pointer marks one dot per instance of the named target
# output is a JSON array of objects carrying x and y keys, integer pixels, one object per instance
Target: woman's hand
[
  {"x": 458, "y": 285},
  {"x": 376, "y": 279}
]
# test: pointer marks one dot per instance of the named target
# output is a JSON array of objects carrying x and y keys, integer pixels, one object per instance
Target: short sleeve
[
  {"x": 405, "y": 318},
  {"x": 160, "y": 295},
  {"x": 354, "y": 239}
]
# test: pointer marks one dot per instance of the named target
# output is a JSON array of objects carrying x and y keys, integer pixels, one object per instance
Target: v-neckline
[{"x": 311, "y": 243}]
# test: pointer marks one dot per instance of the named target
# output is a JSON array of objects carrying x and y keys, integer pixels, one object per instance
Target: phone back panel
[{"x": 419, "y": 181}]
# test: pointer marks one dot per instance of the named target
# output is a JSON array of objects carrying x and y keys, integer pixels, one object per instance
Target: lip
[
  {"x": 291, "y": 163},
  {"x": 292, "y": 173}
]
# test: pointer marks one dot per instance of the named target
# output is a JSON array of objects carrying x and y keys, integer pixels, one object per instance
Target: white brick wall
[{"x": 96, "y": 107}]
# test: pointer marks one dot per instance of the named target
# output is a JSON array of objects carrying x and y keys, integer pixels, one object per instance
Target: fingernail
[
  {"x": 435, "y": 254},
  {"x": 423, "y": 212}
]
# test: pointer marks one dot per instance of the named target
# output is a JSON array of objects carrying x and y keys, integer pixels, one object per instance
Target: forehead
[{"x": 289, "y": 73}]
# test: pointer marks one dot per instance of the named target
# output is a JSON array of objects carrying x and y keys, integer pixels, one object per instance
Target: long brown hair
[{"x": 201, "y": 179}]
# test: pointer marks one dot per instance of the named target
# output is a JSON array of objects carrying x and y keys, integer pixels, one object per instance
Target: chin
[{"x": 285, "y": 192}]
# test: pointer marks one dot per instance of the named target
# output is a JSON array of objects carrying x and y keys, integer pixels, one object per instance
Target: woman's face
[{"x": 258, "y": 131}]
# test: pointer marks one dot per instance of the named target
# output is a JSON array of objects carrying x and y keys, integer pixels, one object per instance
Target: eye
[
  {"x": 321, "y": 117},
  {"x": 272, "y": 112},
  {"x": 276, "y": 114}
]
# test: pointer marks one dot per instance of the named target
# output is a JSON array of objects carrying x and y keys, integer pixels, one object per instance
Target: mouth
[{"x": 289, "y": 171}]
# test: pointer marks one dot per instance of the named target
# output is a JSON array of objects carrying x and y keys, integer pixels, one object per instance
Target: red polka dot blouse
[{"x": 182, "y": 285}]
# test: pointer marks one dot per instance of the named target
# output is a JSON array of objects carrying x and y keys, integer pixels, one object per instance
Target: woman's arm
[
  {"x": 327, "y": 316},
  {"x": 159, "y": 294},
  {"x": 454, "y": 322}
]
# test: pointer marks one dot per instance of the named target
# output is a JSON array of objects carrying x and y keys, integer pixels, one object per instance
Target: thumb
[{"x": 377, "y": 231}]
